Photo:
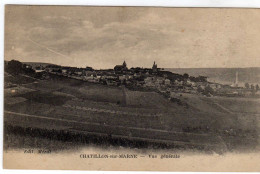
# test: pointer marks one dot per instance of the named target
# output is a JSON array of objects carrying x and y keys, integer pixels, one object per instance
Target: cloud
[{"x": 104, "y": 36}]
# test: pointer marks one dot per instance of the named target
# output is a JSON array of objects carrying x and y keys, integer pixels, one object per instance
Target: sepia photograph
[{"x": 131, "y": 88}]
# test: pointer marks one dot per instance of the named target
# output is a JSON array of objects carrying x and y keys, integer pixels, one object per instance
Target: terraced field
[{"x": 61, "y": 106}]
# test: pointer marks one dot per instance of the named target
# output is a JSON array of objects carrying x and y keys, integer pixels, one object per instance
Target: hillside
[
  {"x": 35, "y": 64},
  {"x": 64, "y": 107}
]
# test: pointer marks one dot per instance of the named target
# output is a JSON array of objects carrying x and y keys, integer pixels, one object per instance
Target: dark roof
[{"x": 119, "y": 66}]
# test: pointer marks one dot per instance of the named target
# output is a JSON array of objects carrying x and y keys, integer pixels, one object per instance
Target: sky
[{"x": 102, "y": 37}]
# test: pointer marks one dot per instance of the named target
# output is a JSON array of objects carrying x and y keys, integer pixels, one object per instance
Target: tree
[
  {"x": 14, "y": 67},
  {"x": 247, "y": 85},
  {"x": 200, "y": 89},
  {"x": 185, "y": 76},
  {"x": 252, "y": 87},
  {"x": 202, "y": 79},
  {"x": 209, "y": 90},
  {"x": 88, "y": 68},
  {"x": 256, "y": 87}
]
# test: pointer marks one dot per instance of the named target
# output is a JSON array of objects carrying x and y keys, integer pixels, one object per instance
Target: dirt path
[
  {"x": 223, "y": 108},
  {"x": 111, "y": 111}
]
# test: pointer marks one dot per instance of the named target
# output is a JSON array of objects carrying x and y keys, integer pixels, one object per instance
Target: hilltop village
[{"x": 147, "y": 79}]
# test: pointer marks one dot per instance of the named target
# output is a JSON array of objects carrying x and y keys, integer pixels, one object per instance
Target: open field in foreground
[{"x": 80, "y": 113}]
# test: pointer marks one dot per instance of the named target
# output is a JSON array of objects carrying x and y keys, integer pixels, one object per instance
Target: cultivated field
[{"x": 77, "y": 112}]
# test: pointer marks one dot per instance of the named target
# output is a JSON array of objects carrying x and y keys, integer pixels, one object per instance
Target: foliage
[
  {"x": 14, "y": 67},
  {"x": 256, "y": 87},
  {"x": 247, "y": 85}
]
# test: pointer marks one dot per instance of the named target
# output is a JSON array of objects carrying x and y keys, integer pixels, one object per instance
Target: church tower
[
  {"x": 124, "y": 64},
  {"x": 154, "y": 67}
]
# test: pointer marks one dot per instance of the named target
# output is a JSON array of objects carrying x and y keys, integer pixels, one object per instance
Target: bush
[{"x": 14, "y": 67}]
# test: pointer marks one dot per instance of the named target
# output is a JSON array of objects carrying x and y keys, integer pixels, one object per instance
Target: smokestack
[{"x": 236, "y": 82}]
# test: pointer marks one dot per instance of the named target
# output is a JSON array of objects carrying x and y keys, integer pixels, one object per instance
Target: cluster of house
[{"x": 147, "y": 78}]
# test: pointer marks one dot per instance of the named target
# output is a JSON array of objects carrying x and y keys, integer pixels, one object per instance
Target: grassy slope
[{"x": 201, "y": 116}]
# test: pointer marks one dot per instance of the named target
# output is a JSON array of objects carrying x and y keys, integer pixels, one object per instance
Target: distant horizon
[{"x": 143, "y": 66}]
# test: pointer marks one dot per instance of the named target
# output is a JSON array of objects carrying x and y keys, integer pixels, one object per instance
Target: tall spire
[
  {"x": 124, "y": 64},
  {"x": 154, "y": 67}
]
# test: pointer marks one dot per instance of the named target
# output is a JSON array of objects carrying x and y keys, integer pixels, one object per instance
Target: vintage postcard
[{"x": 131, "y": 88}]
